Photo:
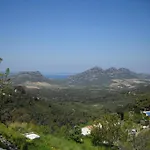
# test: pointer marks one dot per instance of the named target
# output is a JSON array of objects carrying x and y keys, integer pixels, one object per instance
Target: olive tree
[
  {"x": 108, "y": 130},
  {"x": 4, "y": 81},
  {"x": 4, "y": 89}
]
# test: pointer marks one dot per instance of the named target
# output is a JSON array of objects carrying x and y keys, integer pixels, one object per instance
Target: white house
[{"x": 86, "y": 130}]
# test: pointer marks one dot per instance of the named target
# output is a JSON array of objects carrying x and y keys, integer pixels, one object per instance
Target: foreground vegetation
[
  {"x": 58, "y": 116},
  {"x": 46, "y": 142}
]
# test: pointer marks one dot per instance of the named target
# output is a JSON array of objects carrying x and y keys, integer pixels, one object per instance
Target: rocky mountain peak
[
  {"x": 95, "y": 70},
  {"x": 124, "y": 70},
  {"x": 111, "y": 70}
]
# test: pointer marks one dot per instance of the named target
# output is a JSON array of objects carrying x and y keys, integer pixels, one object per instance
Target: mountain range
[
  {"x": 99, "y": 76},
  {"x": 95, "y": 76}
]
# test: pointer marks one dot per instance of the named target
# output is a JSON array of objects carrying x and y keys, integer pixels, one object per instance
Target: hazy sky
[{"x": 55, "y": 36}]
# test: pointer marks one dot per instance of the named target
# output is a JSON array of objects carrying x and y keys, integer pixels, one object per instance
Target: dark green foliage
[
  {"x": 107, "y": 130},
  {"x": 143, "y": 104},
  {"x": 75, "y": 134},
  {"x": 5, "y": 90},
  {"x": 142, "y": 141},
  {"x": 2, "y": 145},
  {"x": 120, "y": 111}
]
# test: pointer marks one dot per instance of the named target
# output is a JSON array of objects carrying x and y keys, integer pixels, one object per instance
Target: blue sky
[{"x": 59, "y": 36}]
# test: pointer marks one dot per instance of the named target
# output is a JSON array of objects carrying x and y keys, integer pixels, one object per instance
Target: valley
[{"x": 53, "y": 108}]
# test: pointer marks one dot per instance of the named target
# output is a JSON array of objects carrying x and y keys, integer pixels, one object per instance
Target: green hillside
[{"x": 57, "y": 116}]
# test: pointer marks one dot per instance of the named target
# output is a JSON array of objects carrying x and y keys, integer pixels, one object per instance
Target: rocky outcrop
[{"x": 7, "y": 144}]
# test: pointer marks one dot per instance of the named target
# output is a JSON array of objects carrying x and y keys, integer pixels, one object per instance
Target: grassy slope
[
  {"x": 46, "y": 141},
  {"x": 55, "y": 143}
]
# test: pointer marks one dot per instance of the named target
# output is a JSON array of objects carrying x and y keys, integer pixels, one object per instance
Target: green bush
[{"x": 75, "y": 134}]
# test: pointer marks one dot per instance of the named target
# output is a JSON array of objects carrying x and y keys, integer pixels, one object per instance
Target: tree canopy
[{"x": 109, "y": 132}]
